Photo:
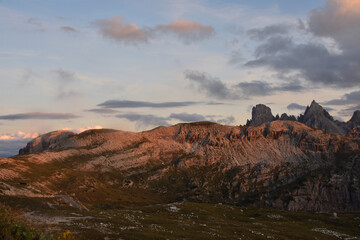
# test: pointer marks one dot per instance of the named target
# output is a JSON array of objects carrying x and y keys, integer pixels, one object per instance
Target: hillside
[{"x": 282, "y": 164}]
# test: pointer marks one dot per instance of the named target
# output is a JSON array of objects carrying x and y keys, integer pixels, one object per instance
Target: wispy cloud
[
  {"x": 64, "y": 79},
  {"x": 35, "y": 22},
  {"x": 38, "y": 115},
  {"x": 102, "y": 110},
  {"x": 68, "y": 29},
  {"x": 142, "y": 104}
]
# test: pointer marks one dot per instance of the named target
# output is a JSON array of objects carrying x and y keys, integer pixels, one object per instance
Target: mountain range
[
  {"x": 315, "y": 116},
  {"x": 282, "y": 164}
]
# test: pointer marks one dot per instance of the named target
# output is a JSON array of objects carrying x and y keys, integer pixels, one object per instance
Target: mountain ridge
[
  {"x": 281, "y": 164},
  {"x": 315, "y": 116}
]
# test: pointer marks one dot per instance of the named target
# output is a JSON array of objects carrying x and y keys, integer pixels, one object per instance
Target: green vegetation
[
  {"x": 12, "y": 228},
  {"x": 187, "y": 220}
]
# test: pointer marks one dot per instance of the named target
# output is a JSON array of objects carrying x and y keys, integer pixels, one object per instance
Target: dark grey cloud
[
  {"x": 38, "y": 115},
  {"x": 147, "y": 120},
  {"x": 142, "y": 104},
  {"x": 268, "y": 31},
  {"x": 295, "y": 106},
  {"x": 187, "y": 117},
  {"x": 349, "y": 98},
  {"x": 261, "y": 88},
  {"x": 68, "y": 29},
  {"x": 10, "y": 148},
  {"x": 274, "y": 45},
  {"x": 116, "y": 28},
  {"x": 313, "y": 60},
  {"x": 291, "y": 86},
  {"x": 212, "y": 87},
  {"x": 102, "y": 110},
  {"x": 350, "y": 102},
  {"x": 144, "y": 120},
  {"x": 256, "y": 88}
]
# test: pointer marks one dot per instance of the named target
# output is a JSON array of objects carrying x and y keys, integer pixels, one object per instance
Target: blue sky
[{"x": 61, "y": 62}]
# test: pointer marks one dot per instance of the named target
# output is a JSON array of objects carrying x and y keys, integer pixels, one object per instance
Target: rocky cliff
[
  {"x": 282, "y": 164},
  {"x": 354, "y": 121},
  {"x": 260, "y": 114},
  {"x": 315, "y": 116}
]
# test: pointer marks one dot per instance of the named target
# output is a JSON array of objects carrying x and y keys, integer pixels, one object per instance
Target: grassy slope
[{"x": 190, "y": 221}]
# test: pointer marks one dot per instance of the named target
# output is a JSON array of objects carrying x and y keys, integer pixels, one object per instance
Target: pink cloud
[
  {"x": 79, "y": 130},
  {"x": 116, "y": 28},
  {"x": 187, "y": 30},
  {"x": 18, "y": 136}
]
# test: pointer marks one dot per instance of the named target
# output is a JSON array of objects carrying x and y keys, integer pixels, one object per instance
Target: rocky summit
[
  {"x": 315, "y": 116},
  {"x": 260, "y": 114}
]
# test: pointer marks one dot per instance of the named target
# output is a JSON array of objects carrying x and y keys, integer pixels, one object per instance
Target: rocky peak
[
  {"x": 260, "y": 114},
  {"x": 355, "y": 120},
  {"x": 46, "y": 141},
  {"x": 316, "y": 116},
  {"x": 285, "y": 117}
]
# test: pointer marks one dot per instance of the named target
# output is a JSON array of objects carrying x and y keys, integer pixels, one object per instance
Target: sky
[{"x": 131, "y": 65}]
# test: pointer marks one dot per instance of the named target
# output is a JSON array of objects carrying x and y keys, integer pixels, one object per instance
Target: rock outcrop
[
  {"x": 285, "y": 117},
  {"x": 49, "y": 141},
  {"x": 260, "y": 114},
  {"x": 354, "y": 121},
  {"x": 316, "y": 116}
]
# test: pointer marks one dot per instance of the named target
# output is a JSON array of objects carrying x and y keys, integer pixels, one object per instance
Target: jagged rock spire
[{"x": 260, "y": 114}]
